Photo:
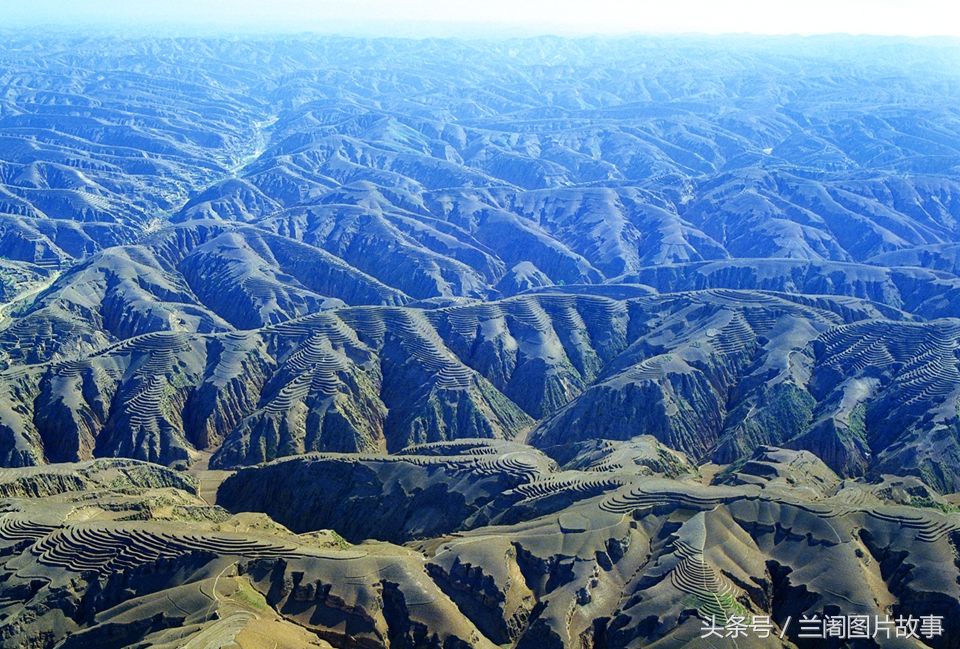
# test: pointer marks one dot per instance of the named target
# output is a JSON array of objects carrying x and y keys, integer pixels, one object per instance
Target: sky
[{"x": 458, "y": 17}]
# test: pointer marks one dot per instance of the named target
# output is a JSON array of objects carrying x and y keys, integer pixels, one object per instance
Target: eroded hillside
[{"x": 572, "y": 343}]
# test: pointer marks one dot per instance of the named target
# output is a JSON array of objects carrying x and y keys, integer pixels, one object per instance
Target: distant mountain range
[{"x": 174, "y": 203}]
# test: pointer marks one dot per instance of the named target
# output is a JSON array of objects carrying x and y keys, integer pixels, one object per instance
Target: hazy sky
[{"x": 438, "y": 17}]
